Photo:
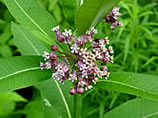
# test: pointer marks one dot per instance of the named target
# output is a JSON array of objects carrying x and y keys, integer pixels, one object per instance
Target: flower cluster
[
  {"x": 83, "y": 63},
  {"x": 112, "y": 18}
]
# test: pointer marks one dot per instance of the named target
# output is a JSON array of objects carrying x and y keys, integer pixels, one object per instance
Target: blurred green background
[{"x": 135, "y": 45}]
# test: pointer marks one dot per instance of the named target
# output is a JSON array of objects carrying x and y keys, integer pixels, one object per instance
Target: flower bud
[
  {"x": 72, "y": 91},
  {"x": 80, "y": 90},
  {"x": 54, "y": 47},
  {"x": 53, "y": 56},
  {"x": 105, "y": 60}
]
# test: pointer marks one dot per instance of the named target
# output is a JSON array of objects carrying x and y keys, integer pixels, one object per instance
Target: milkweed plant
[
  {"x": 67, "y": 56},
  {"x": 88, "y": 58}
]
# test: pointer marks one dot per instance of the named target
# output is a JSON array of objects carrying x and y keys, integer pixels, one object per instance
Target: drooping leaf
[
  {"x": 31, "y": 15},
  {"x": 60, "y": 98},
  {"x": 32, "y": 42},
  {"x": 27, "y": 43},
  {"x": 137, "y": 108},
  {"x": 20, "y": 72},
  {"x": 143, "y": 85},
  {"x": 92, "y": 12}
]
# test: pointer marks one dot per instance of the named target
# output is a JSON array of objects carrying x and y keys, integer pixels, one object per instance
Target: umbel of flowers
[
  {"x": 112, "y": 17},
  {"x": 84, "y": 60},
  {"x": 82, "y": 66}
]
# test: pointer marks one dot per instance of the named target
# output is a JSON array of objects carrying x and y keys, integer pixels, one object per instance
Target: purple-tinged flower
[
  {"x": 65, "y": 68},
  {"x": 96, "y": 50},
  {"x": 88, "y": 87},
  {"x": 60, "y": 37},
  {"x": 101, "y": 41},
  {"x": 115, "y": 12},
  {"x": 89, "y": 34},
  {"x": 95, "y": 44},
  {"x": 92, "y": 31},
  {"x": 91, "y": 70},
  {"x": 67, "y": 35},
  {"x": 106, "y": 40},
  {"x": 105, "y": 68},
  {"x": 73, "y": 76},
  {"x": 80, "y": 41},
  {"x": 116, "y": 24},
  {"x": 55, "y": 29},
  {"x": 42, "y": 65},
  {"x": 112, "y": 18},
  {"x": 111, "y": 59},
  {"x": 48, "y": 64},
  {"x": 46, "y": 55},
  {"x": 83, "y": 66},
  {"x": 74, "y": 49},
  {"x": 110, "y": 49}
]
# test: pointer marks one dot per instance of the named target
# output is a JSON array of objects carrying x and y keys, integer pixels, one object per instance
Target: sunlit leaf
[
  {"x": 137, "y": 108},
  {"x": 132, "y": 83}
]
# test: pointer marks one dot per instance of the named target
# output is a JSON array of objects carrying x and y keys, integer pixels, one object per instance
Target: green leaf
[
  {"x": 58, "y": 96},
  {"x": 132, "y": 83},
  {"x": 5, "y": 51},
  {"x": 31, "y": 15},
  {"x": 92, "y": 12},
  {"x": 34, "y": 109},
  {"x": 137, "y": 108},
  {"x": 27, "y": 43},
  {"x": 69, "y": 7},
  {"x": 7, "y": 102},
  {"x": 12, "y": 96},
  {"x": 55, "y": 92},
  {"x": 52, "y": 88},
  {"x": 21, "y": 72},
  {"x": 40, "y": 108}
]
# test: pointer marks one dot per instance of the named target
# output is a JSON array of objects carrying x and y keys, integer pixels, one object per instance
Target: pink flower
[{"x": 82, "y": 66}]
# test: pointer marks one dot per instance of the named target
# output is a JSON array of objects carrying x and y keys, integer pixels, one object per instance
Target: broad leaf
[
  {"x": 132, "y": 83},
  {"x": 92, "y": 12},
  {"x": 56, "y": 93},
  {"x": 20, "y": 72},
  {"x": 137, "y": 108},
  {"x": 31, "y": 42},
  {"x": 58, "y": 96},
  {"x": 31, "y": 15},
  {"x": 27, "y": 43},
  {"x": 40, "y": 108}
]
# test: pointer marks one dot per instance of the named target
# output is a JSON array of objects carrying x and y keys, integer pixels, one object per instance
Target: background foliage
[{"x": 135, "y": 46}]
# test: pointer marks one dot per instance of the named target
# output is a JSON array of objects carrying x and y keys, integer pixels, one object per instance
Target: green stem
[{"x": 77, "y": 106}]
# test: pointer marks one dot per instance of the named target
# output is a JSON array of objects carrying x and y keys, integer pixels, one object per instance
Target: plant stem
[{"x": 77, "y": 106}]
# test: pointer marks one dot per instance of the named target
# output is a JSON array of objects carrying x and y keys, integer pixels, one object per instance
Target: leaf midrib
[
  {"x": 66, "y": 105},
  {"x": 29, "y": 41},
  {"x": 62, "y": 95},
  {"x": 21, "y": 71},
  {"x": 38, "y": 26},
  {"x": 130, "y": 86}
]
